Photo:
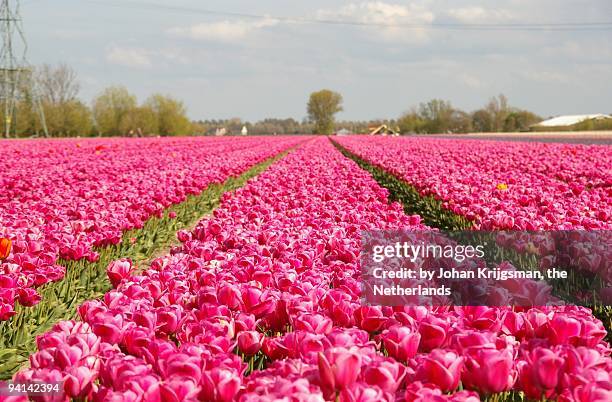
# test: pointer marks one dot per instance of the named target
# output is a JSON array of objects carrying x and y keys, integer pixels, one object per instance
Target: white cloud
[
  {"x": 546, "y": 77},
  {"x": 591, "y": 51},
  {"x": 141, "y": 58},
  {"x": 392, "y": 15},
  {"x": 471, "y": 81},
  {"x": 134, "y": 57},
  {"x": 223, "y": 31},
  {"x": 475, "y": 15}
]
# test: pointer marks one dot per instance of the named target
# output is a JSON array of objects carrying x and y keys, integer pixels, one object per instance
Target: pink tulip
[
  {"x": 433, "y": 334},
  {"x": 6, "y": 311},
  {"x": 220, "y": 385},
  {"x": 315, "y": 323},
  {"x": 401, "y": 342},
  {"x": 179, "y": 390},
  {"x": 79, "y": 381},
  {"x": 386, "y": 374},
  {"x": 540, "y": 374},
  {"x": 339, "y": 368},
  {"x": 593, "y": 392},
  {"x": 489, "y": 371},
  {"x": 364, "y": 393},
  {"x": 442, "y": 368},
  {"x": 119, "y": 270},
  {"x": 369, "y": 318},
  {"x": 250, "y": 342}
]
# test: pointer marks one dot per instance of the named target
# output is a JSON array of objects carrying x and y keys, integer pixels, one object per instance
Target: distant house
[
  {"x": 220, "y": 132},
  {"x": 570, "y": 121},
  {"x": 382, "y": 130},
  {"x": 342, "y": 132},
  {"x": 244, "y": 131}
]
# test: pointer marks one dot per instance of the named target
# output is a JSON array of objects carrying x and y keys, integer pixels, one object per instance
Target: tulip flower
[
  {"x": 386, "y": 374},
  {"x": 401, "y": 342},
  {"x": 489, "y": 371},
  {"x": 79, "y": 381},
  {"x": 5, "y": 248},
  {"x": 250, "y": 342},
  {"x": 339, "y": 368},
  {"x": 442, "y": 368},
  {"x": 119, "y": 270},
  {"x": 541, "y": 372},
  {"x": 220, "y": 385}
]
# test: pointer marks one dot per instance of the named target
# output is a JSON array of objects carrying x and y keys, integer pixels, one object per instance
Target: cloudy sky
[{"x": 226, "y": 66}]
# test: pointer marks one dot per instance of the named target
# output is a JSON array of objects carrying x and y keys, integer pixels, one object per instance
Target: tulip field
[{"x": 257, "y": 296}]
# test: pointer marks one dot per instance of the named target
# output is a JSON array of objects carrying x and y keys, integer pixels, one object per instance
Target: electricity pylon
[{"x": 17, "y": 83}]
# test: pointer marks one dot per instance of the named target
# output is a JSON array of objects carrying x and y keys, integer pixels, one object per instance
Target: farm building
[
  {"x": 572, "y": 121},
  {"x": 382, "y": 130}
]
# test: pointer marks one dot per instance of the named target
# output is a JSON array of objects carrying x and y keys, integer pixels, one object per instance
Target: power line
[{"x": 543, "y": 26}]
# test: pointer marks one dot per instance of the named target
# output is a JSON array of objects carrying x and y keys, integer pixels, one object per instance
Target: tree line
[
  {"x": 117, "y": 112},
  {"x": 439, "y": 116},
  {"x": 113, "y": 112},
  {"x": 433, "y": 117}
]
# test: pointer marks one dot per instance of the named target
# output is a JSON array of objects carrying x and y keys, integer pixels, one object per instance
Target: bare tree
[
  {"x": 58, "y": 85},
  {"x": 499, "y": 110}
]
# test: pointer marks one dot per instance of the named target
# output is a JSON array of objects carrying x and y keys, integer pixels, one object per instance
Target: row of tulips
[
  {"x": 262, "y": 303},
  {"x": 513, "y": 186},
  {"x": 500, "y": 185},
  {"x": 65, "y": 198}
]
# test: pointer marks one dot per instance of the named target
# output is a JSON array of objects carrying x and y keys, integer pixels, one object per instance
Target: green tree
[
  {"x": 482, "y": 121},
  {"x": 110, "y": 109},
  {"x": 437, "y": 115},
  {"x": 171, "y": 115},
  {"x": 461, "y": 122},
  {"x": 141, "y": 121},
  {"x": 520, "y": 120},
  {"x": 322, "y": 108},
  {"x": 411, "y": 122}
]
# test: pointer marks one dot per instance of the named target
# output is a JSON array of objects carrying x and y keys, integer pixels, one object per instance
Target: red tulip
[
  {"x": 28, "y": 297},
  {"x": 433, "y": 333},
  {"x": 5, "y": 248},
  {"x": 274, "y": 348},
  {"x": 370, "y": 318}
]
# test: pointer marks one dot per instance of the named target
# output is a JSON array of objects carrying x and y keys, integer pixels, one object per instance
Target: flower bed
[
  {"x": 501, "y": 185},
  {"x": 261, "y": 303},
  {"x": 66, "y": 198}
]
